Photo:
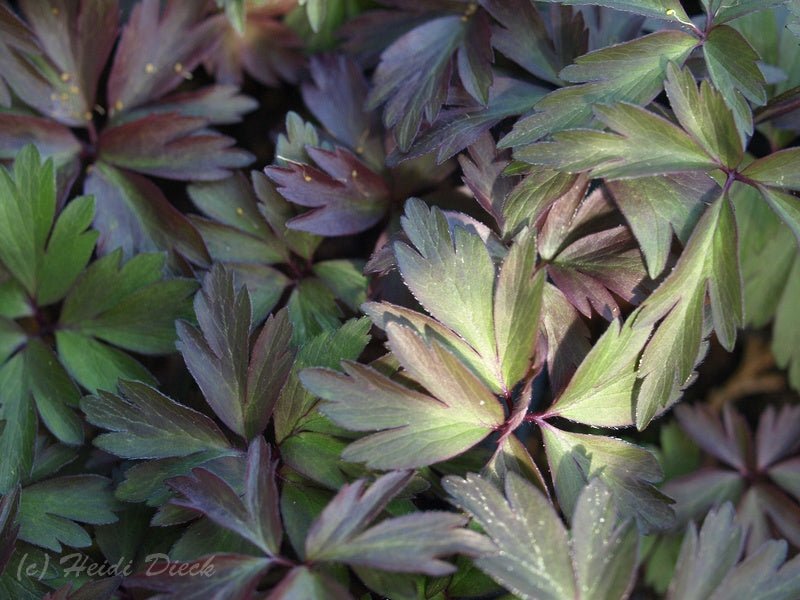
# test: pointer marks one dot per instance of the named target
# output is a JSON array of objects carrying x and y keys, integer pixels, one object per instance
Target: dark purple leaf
[
  {"x": 455, "y": 129},
  {"x": 101, "y": 589},
  {"x": 239, "y": 383},
  {"x": 778, "y": 435},
  {"x": 345, "y": 194},
  {"x": 133, "y": 214},
  {"x": 9, "y": 527},
  {"x": 522, "y": 35},
  {"x": 729, "y": 440},
  {"x": 158, "y": 49},
  {"x": 78, "y": 38},
  {"x": 336, "y": 98},
  {"x": 171, "y": 146},
  {"x": 267, "y": 50},
  {"x": 214, "y": 577},
  {"x": 411, "y": 93},
  {"x": 409, "y": 544},
  {"x": 218, "y": 104},
  {"x": 255, "y": 516}
]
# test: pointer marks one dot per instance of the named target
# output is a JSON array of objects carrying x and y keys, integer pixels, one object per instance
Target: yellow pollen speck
[
  {"x": 90, "y": 168},
  {"x": 87, "y": 115},
  {"x": 55, "y": 11},
  {"x": 178, "y": 67},
  {"x": 73, "y": 89},
  {"x": 65, "y": 96},
  {"x": 239, "y": 211},
  {"x": 53, "y": 97},
  {"x": 118, "y": 105},
  {"x": 307, "y": 177},
  {"x": 360, "y": 150},
  {"x": 149, "y": 68},
  {"x": 65, "y": 77},
  {"x": 353, "y": 174}
]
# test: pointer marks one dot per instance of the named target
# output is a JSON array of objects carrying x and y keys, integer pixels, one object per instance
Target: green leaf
[
  {"x": 301, "y": 583},
  {"x": 68, "y": 250},
  {"x": 602, "y": 391},
  {"x": 535, "y": 557},
  {"x": 54, "y": 392},
  {"x": 655, "y": 207},
  {"x": 19, "y": 425},
  {"x": 412, "y": 543},
  {"x": 722, "y": 11},
  {"x": 146, "y": 424},
  {"x": 627, "y": 470},
  {"x": 415, "y": 429},
  {"x": 345, "y": 278},
  {"x": 709, "y": 264},
  {"x": 95, "y": 365},
  {"x": 604, "y": 546},
  {"x": 733, "y": 66},
  {"x": 49, "y": 512},
  {"x": 518, "y": 300},
  {"x": 632, "y": 72},
  {"x": 660, "y": 9},
  {"x": 329, "y": 349},
  {"x": 129, "y": 305},
  {"x": 27, "y": 209},
  {"x": 241, "y": 383},
  {"x": 703, "y": 113},
  {"x": 642, "y": 144},
  {"x": 312, "y": 310},
  {"x": 778, "y": 169},
  {"x": 434, "y": 272}
]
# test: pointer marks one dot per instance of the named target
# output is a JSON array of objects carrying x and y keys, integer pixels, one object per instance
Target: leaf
[
  {"x": 604, "y": 546},
  {"x": 434, "y": 274},
  {"x": 255, "y": 516},
  {"x": 302, "y": 583},
  {"x": 19, "y": 427},
  {"x": 602, "y": 391},
  {"x": 130, "y": 305},
  {"x": 415, "y": 429},
  {"x": 522, "y": 36},
  {"x": 535, "y": 557},
  {"x": 156, "y": 49},
  {"x": 655, "y": 207},
  {"x": 659, "y": 9},
  {"x": 642, "y": 145},
  {"x": 144, "y": 423},
  {"x": 777, "y": 169},
  {"x": 709, "y": 567},
  {"x": 223, "y": 575},
  {"x": 133, "y": 214},
  {"x": 328, "y": 349},
  {"x": 732, "y": 65},
  {"x": 345, "y": 195},
  {"x": 412, "y": 543},
  {"x": 708, "y": 265},
  {"x": 529, "y": 536},
  {"x": 457, "y": 128},
  {"x": 702, "y": 113},
  {"x": 50, "y": 510},
  {"x": 631, "y": 72},
  {"x": 722, "y": 11},
  {"x": 171, "y": 146},
  {"x": 410, "y": 93},
  {"x": 240, "y": 383},
  {"x": 517, "y": 304},
  {"x": 95, "y": 365},
  {"x": 627, "y": 470}
]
